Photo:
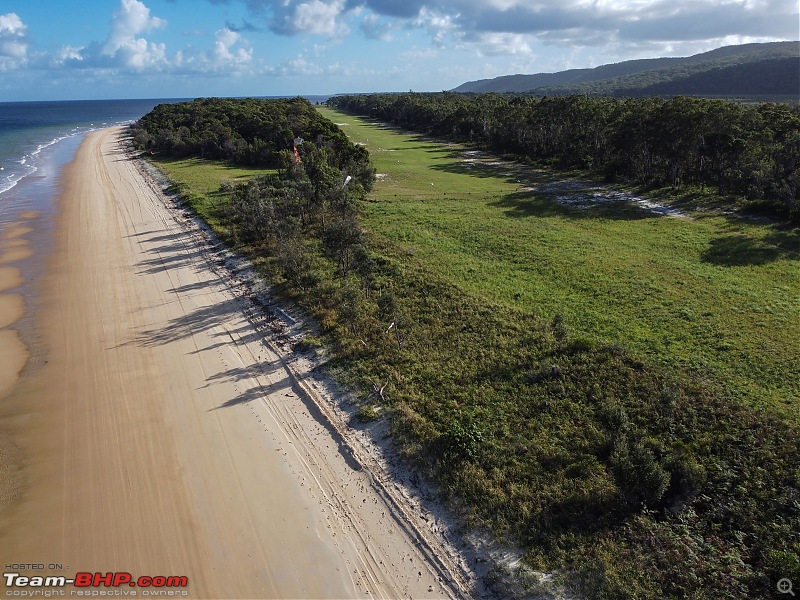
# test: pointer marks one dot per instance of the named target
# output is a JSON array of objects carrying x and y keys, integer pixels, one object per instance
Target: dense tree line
[
  {"x": 306, "y": 207},
  {"x": 743, "y": 151},
  {"x": 247, "y": 131}
]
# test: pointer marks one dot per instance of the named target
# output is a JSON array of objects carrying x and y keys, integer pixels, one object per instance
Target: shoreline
[
  {"x": 167, "y": 435},
  {"x": 16, "y": 354},
  {"x": 28, "y": 214}
]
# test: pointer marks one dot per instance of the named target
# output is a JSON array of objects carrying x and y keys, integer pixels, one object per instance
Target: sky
[{"x": 104, "y": 49}]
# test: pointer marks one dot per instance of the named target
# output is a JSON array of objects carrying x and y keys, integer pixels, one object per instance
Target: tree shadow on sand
[
  {"x": 258, "y": 392},
  {"x": 258, "y": 369},
  {"x": 187, "y": 325}
]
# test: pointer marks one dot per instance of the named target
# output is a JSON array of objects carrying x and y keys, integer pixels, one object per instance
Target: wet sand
[
  {"x": 13, "y": 352},
  {"x": 13, "y": 356},
  {"x": 166, "y": 436},
  {"x": 12, "y": 307},
  {"x": 10, "y": 278}
]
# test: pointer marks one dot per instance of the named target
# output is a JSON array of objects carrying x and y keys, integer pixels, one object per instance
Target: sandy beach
[{"x": 166, "y": 434}]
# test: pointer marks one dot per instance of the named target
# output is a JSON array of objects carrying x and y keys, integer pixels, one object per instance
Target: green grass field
[
  {"x": 718, "y": 295},
  {"x": 611, "y": 391},
  {"x": 199, "y": 181}
]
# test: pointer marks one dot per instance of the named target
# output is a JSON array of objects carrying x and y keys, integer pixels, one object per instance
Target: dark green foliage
[
  {"x": 639, "y": 476},
  {"x": 771, "y": 77},
  {"x": 367, "y": 414},
  {"x": 559, "y": 327},
  {"x": 344, "y": 242},
  {"x": 251, "y": 132},
  {"x": 629, "y": 478},
  {"x": 686, "y": 476},
  {"x": 285, "y": 215},
  {"x": 746, "y": 152},
  {"x": 461, "y": 440},
  {"x": 784, "y": 563}
]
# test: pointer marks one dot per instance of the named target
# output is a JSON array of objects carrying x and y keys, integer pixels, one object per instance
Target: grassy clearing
[
  {"x": 713, "y": 294},
  {"x": 202, "y": 183},
  {"x": 612, "y": 391}
]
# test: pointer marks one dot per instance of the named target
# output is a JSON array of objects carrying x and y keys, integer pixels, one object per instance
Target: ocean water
[{"x": 38, "y": 138}]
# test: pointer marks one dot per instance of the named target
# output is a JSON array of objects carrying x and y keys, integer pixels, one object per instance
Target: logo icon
[{"x": 785, "y": 586}]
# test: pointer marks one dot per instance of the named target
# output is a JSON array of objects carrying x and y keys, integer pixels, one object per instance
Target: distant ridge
[{"x": 771, "y": 69}]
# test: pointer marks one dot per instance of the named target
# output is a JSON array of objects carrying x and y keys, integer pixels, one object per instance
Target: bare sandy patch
[
  {"x": 12, "y": 307},
  {"x": 5, "y": 244},
  {"x": 13, "y": 356},
  {"x": 10, "y": 472},
  {"x": 10, "y": 278},
  {"x": 14, "y": 231},
  {"x": 15, "y": 254}
]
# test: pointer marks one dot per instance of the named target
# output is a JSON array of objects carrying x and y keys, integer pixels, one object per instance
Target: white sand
[{"x": 165, "y": 437}]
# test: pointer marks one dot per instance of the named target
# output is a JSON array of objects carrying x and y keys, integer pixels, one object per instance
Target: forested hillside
[
  {"x": 771, "y": 77},
  {"x": 750, "y": 152},
  {"x": 528, "y": 83},
  {"x": 768, "y": 78},
  {"x": 758, "y": 70}
]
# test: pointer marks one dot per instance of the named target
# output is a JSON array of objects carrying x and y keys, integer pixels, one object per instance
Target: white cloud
[
  {"x": 439, "y": 25},
  {"x": 13, "y": 42},
  {"x": 301, "y": 66},
  {"x": 588, "y": 22},
  {"x": 420, "y": 54},
  {"x": 231, "y": 54},
  {"x": 528, "y": 24},
  {"x": 316, "y": 17},
  {"x": 225, "y": 55},
  {"x": 375, "y": 28},
  {"x": 124, "y": 47},
  {"x": 501, "y": 44},
  {"x": 67, "y": 53},
  {"x": 126, "y": 50}
]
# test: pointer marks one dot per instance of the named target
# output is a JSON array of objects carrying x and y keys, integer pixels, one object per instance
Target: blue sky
[{"x": 187, "y": 48}]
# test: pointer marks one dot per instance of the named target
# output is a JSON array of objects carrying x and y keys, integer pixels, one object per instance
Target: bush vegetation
[{"x": 629, "y": 475}]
